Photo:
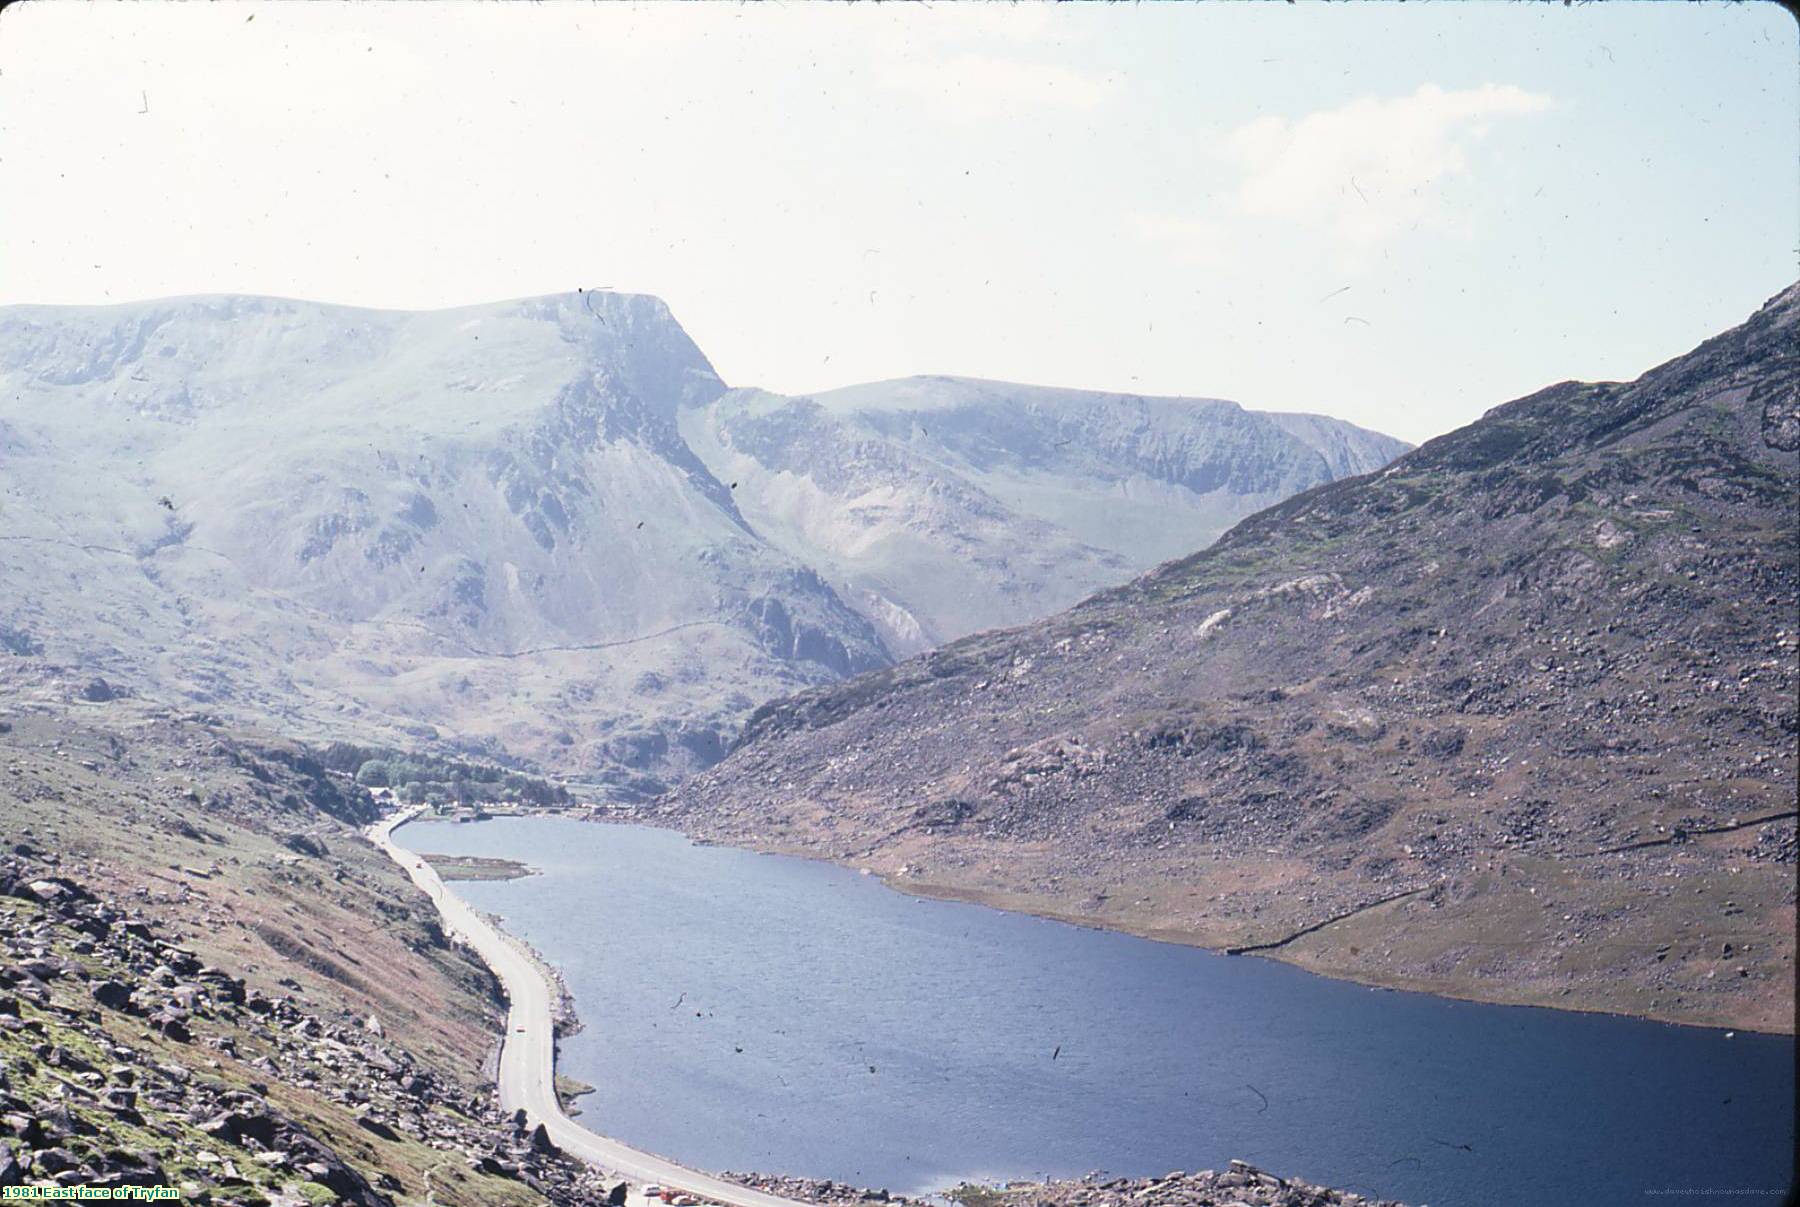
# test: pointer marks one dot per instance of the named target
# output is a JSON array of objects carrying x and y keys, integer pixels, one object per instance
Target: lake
[{"x": 755, "y": 1012}]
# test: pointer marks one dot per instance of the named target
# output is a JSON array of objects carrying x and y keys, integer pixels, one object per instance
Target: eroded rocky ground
[
  {"x": 819, "y": 1190},
  {"x": 1238, "y": 1185},
  {"x": 190, "y": 936}
]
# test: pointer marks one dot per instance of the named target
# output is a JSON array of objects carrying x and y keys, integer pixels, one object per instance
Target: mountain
[
  {"x": 480, "y": 521},
  {"x": 942, "y": 506},
  {"x": 1507, "y": 719},
  {"x": 545, "y": 529}
]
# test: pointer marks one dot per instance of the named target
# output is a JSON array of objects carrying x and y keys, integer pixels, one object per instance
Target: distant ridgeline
[
  {"x": 398, "y": 528},
  {"x": 431, "y": 779}
]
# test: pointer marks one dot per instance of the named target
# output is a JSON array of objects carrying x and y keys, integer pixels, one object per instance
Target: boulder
[
  {"x": 99, "y": 691},
  {"x": 223, "y": 984},
  {"x": 44, "y": 892},
  {"x": 303, "y": 844},
  {"x": 370, "y": 1123},
  {"x": 55, "y": 1160},
  {"x": 117, "y": 1169},
  {"x": 172, "y": 1025},
  {"x": 57, "y": 1122},
  {"x": 235, "y": 1126}
]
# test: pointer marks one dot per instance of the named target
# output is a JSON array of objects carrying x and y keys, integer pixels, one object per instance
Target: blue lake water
[{"x": 753, "y": 1012}]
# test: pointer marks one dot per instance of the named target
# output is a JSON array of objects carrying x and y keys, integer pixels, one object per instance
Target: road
[{"x": 528, "y": 1050}]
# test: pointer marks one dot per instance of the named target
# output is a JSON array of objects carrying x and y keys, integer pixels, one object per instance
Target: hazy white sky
[{"x": 1397, "y": 214}]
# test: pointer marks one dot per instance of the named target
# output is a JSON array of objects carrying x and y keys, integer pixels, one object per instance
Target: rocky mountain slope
[
  {"x": 1507, "y": 719},
  {"x": 210, "y": 980},
  {"x": 544, "y": 528}
]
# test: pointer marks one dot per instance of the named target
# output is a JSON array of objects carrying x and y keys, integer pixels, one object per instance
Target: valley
[
  {"x": 211, "y": 980},
  {"x": 1512, "y": 719},
  {"x": 1508, "y": 720},
  {"x": 899, "y": 605},
  {"x": 273, "y": 565}
]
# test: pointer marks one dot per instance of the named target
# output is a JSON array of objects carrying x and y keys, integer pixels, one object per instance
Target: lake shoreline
[
  {"x": 1447, "y": 991},
  {"x": 1462, "y": 990}
]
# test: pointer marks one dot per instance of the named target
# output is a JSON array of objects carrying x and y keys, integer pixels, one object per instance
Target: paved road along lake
[{"x": 752, "y": 1012}]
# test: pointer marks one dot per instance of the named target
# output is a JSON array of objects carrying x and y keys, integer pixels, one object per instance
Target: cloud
[
  {"x": 1371, "y": 168},
  {"x": 974, "y": 84}
]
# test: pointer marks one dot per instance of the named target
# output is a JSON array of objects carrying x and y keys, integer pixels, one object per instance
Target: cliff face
[
  {"x": 1498, "y": 720},
  {"x": 541, "y": 528}
]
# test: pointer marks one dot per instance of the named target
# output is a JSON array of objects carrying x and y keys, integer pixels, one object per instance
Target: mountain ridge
[{"x": 502, "y": 529}]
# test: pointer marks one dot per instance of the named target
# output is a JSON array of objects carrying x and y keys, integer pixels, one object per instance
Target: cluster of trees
[{"x": 431, "y": 779}]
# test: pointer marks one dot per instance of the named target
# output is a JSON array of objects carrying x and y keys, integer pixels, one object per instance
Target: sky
[{"x": 1400, "y": 215}]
